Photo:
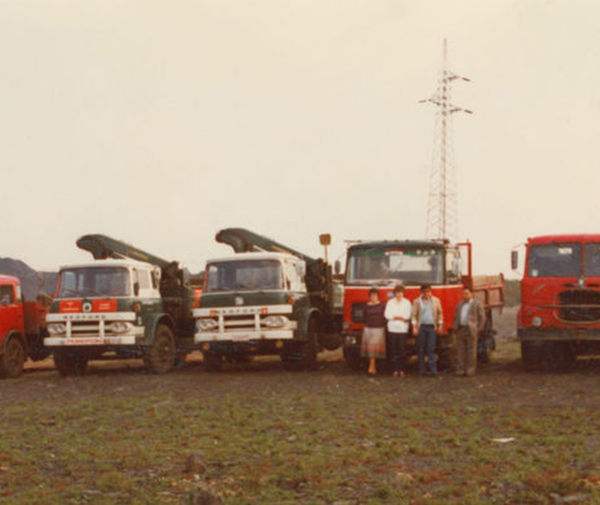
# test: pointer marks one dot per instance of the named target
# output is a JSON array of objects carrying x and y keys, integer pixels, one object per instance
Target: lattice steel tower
[{"x": 442, "y": 207}]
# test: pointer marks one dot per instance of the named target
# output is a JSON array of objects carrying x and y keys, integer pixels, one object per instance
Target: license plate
[{"x": 241, "y": 338}]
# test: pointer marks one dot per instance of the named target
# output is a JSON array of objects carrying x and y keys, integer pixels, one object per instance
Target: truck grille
[
  {"x": 358, "y": 312},
  {"x": 241, "y": 323},
  {"x": 579, "y": 305},
  {"x": 89, "y": 328}
]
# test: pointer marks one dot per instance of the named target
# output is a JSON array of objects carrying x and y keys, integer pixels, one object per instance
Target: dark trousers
[
  {"x": 396, "y": 350},
  {"x": 426, "y": 346}
]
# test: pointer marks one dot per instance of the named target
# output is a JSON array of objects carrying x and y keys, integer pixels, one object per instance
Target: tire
[
  {"x": 485, "y": 349},
  {"x": 160, "y": 356},
  {"x": 531, "y": 356},
  {"x": 308, "y": 349},
  {"x": 559, "y": 356},
  {"x": 352, "y": 358},
  {"x": 13, "y": 359},
  {"x": 486, "y": 343},
  {"x": 70, "y": 364},
  {"x": 37, "y": 350},
  {"x": 212, "y": 361},
  {"x": 302, "y": 355},
  {"x": 446, "y": 359}
]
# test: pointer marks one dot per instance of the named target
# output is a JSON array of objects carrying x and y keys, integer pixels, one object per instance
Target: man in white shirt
[{"x": 397, "y": 312}]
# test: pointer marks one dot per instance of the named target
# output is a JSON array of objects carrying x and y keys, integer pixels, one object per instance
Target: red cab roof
[
  {"x": 8, "y": 279},
  {"x": 572, "y": 237}
]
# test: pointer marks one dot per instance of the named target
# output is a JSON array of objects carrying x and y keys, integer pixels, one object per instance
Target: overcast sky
[{"x": 160, "y": 123}]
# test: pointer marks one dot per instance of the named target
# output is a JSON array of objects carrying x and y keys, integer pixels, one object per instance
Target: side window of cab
[
  {"x": 293, "y": 279},
  {"x": 7, "y": 296},
  {"x": 144, "y": 281}
]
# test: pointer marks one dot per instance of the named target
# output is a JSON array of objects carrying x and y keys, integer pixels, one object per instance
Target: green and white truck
[
  {"x": 125, "y": 304},
  {"x": 266, "y": 300}
]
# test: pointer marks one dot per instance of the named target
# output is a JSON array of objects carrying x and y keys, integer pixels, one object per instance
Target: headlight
[
  {"x": 206, "y": 324},
  {"x": 536, "y": 321},
  {"x": 119, "y": 327},
  {"x": 57, "y": 328},
  {"x": 274, "y": 321}
]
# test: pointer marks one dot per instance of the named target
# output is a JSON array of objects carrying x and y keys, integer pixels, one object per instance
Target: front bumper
[
  {"x": 243, "y": 336},
  {"x": 89, "y": 341},
  {"x": 244, "y": 324},
  {"x": 93, "y": 329},
  {"x": 354, "y": 340},
  {"x": 559, "y": 334}
]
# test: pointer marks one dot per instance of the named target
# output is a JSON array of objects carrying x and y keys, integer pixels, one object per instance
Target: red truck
[
  {"x": 559, "y": 315},
  {"x": 22, "y": 328},
  {"x": 445, "y": 266}
]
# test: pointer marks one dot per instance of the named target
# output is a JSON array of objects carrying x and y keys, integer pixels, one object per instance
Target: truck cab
[
  {"x": 101, "y": 303},
  {"x": 117, "y": 307},
  {"x": 559, "y": 315},
  {"x": 265, "y": 300},
  {"x": 252, "y": 304},
  {"x": 12, "y": 328},
  {"x": 439, "y": 263},
  {"x": 22, "y": 328}
]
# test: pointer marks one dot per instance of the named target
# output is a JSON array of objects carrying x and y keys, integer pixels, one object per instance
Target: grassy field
[{"x": 267, "y": 436}]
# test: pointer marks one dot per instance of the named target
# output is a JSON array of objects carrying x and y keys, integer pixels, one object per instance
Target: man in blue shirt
[{"x": 427, "y": 320}]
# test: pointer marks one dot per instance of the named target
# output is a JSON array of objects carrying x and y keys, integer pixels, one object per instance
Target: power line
[{"x": 442, "y": 207}]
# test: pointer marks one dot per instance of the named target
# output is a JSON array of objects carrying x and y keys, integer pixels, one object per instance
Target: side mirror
[
  {"x": 136, "y": 288},
  {"x": 514, "y": 260},
  {"x": 337, "y": 267},
  {"x": 301, "y": 269}
]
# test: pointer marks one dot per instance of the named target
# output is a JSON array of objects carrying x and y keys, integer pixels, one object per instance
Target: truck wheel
[
  {"x": 308, "y": 349},
  {"x": 160, "y": 357},
  {"x": 70, "y": 363},
  {"x": 13, "y": 359},
  {"x": 559, "y": 356},
  {"x": 302, "y": 355},
  {"x": 486, "y": 342},
  {"x": 485, "y": 349},
  {"x": 37, "y": 350},
  {"x": 532, "y": 356},
  {"x": 447, "y": 359},
  {"x": 212, "y": 361},
  {"x": 352, "y": 358}
]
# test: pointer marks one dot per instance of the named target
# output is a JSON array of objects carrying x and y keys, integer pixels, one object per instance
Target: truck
[
  {"x": 559, "y": 315},
  {"x": 267, "y": 299},
  {"x": 22, "y": 328},
  {"x": 445, "y": 266},
  {"x": 126, "y": 303}
]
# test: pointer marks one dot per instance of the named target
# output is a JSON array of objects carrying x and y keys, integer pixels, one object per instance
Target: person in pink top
[{"x": 373, "y": 340}]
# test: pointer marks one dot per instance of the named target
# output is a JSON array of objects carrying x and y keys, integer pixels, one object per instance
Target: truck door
[{"x": 11, "y": 315}]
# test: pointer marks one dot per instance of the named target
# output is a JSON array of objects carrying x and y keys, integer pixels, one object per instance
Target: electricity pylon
[{"x": 442, "y": 207}]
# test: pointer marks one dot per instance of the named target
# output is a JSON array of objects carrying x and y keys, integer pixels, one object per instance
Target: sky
[{"x": 160, "y": 123}]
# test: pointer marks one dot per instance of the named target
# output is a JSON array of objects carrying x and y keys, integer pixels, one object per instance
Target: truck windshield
[
  {"x": 247, "y": 275},
  {"x": 97, "y": 281},
  {"x": 555, "y": 260},
  {"x": 409, "y": 265}
]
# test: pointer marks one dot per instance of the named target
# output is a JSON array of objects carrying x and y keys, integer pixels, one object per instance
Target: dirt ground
[{"x": 499, "y": 381}]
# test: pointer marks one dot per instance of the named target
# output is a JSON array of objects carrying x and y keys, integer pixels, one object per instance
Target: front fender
[
  {"x": 304, "y": 316},
  {"x": 152, "y": 322},
  {"x": 7, "y": 337}
]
